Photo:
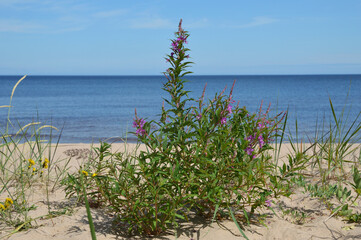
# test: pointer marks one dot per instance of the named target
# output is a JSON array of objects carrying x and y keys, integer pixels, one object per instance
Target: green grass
[
  {"x": 26, "y": 160},
  {"x": 333, "y": 159}
]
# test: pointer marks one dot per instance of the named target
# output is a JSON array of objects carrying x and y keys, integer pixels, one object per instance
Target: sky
[{"x": 132, "y": 37}]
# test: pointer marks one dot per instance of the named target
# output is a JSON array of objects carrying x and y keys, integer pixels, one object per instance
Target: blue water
[{"x": 89, "y": 108}]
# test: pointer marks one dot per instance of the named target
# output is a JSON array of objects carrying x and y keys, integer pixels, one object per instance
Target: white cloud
[
  {"x": 75, "y": 15},
  {"x": 258, "y": 21},
  {"x": 18, "y": 26},
  {"x": 15, "y": 2},
  {"x": 66, "y": 29},
  {"x": 147, "y": 23},
  {"x": 196, "y": 24},
  {"x": 111, "y": 13}
]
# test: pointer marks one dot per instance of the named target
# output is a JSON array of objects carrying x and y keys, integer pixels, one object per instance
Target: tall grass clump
[
  {"x": 333, "y": 158},
  {"x": 26, "y": 161},
  {"x": 204, "y": 157},
  {"x": 336, "y": 142}
]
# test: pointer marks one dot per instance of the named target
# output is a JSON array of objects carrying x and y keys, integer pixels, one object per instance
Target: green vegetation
[
  {"x": 210, "y": 158},
  {"x": 26, "y": 161}
]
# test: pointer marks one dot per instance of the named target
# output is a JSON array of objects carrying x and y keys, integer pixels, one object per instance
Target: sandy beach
[{"x": 284, "y": 224}]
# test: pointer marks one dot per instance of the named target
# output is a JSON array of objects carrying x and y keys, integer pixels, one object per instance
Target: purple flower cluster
[
  {"x": 261, "y": 126},
  {"x": 251, "y": 139},
  {"x": 223, "y": 120},
  {"x": 249, "y": 150},
  {"x": 176, "y": 44},
  {"x": 139, "y": 124},
  {"x": 260, "y": 141},
  {"x": 229, "y": 109}
]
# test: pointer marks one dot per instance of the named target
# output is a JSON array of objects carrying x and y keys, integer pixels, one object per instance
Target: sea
[{"x": 89, "y": 109}]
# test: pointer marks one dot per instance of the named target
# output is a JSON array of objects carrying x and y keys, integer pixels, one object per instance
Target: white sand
[{"x": 279, "y": 226}]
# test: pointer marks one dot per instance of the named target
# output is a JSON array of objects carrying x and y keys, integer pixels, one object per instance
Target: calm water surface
[{"x": 98, "y": 107}]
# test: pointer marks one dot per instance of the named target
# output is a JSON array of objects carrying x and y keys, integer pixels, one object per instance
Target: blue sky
[{"x": 113, "y": 37}]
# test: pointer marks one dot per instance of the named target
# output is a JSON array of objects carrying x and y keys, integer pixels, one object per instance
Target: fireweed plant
[{"x": 204, "y": 157}]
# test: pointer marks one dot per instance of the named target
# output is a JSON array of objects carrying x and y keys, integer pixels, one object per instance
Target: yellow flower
[
  {"x": 2, "y": 207},
  {"x": 31, "y": 162},
  {"x": 46, "y": 163},
  {"x": 34, "y": 169},
  {"x": 8, "y": 202},
  {"x": 94, "y": 175},
  {"x": 85, "y": 173}
]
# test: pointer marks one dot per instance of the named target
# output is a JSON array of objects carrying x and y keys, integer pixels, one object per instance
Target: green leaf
[
  {"x": 179, "y": 216},
  {"x": 235, "y": 221}
]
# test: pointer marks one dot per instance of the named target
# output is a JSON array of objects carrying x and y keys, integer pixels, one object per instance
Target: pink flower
[
  {"x": 250, "y": 138},
  {"x": 139, "y": 124},
  {"x": 261, "y": 125},
  {"x": 140, "y": 131},
  {"x": 174, "y": 46},
  {"x": 224, "y": 120},
  {"x": 229, "y": 109},
  {"x": 261, "y": 141},
  {"x": 249, "y": 150}
]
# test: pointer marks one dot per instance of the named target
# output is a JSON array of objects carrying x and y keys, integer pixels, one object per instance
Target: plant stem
[{"x": 90, "y": 219}]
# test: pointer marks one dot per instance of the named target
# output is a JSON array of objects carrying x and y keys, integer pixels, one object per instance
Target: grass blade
[
  {"x": 90, "y": 219},
  {"x": 235, "y": 221}
]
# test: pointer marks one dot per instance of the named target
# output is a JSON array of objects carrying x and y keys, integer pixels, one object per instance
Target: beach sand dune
[{"x": 287, "y": 223}]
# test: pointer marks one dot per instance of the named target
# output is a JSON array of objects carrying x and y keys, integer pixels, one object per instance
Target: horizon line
[{"x": 157, "y": 75}]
